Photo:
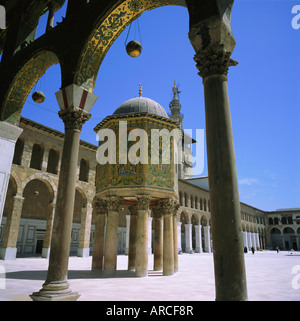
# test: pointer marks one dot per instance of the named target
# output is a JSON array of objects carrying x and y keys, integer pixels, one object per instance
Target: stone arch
[
  {"x": 105, "y": 31},
  {"x": 23, "y": 81},
  {"x": 80, "y": 202},
  {"x": 46, "y": 179},
  {"x": 38, "y": 194},
  {"x": 11, "y": 192}
]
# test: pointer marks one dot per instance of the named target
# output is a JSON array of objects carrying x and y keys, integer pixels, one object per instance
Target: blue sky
[{"x": 263, "y": 91}]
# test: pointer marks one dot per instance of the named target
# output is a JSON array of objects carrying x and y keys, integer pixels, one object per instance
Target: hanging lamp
[
  {"x": 134, "y": 48},
  {"x": 38, "y": 96}
]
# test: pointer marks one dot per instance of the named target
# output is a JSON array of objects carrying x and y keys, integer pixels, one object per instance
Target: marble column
[
  {"x": 249, "y": 240},
  {"x": 149, "y": 235},
  {"x": 214, "y": 43},
  {"x": 10, "y": 237},
  {"x": 100, "y": 211},
  {"x": 111, "y": 237},
  {"x": 141, "y": 260},
  {"x": 49, "y": 228},
  {"x": 198, "y": 239},
  {"x": 127, "y": 234},
  {"x": 257, "y": 241},
  {"x": 179, "y": 237},
  {"x": 132, "y": 237},
  {"x": 158, "y": 239},
  {"x": 175, "y": 235},
  {"x": 188, "y": 238},
  {"x": 167, "y": 206},
  {"x": 245, "y": 239},
  {"x": 74, "y": 113},
  {"x": 9, "y": 134},
  {"x": 175, "y": 238},
  {"x": 85, "y": 231},
  {"x": 253, "y": 240},
  {"x": 206, "y": 231}
]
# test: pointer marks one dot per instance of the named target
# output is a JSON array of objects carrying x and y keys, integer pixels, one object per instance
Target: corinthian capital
[
  {"x": 214, "y": 60},
  {"x": 74, "y": 118},
  {"x": 143, "y": 202},
  {"x": 100, "y": 206},
  {"x": 113, "y": 203},
  {"x": 167, "y": 206}
]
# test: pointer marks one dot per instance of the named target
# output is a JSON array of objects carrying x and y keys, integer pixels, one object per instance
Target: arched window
[
  {"x": 290, "y": 220},
  {"x": 37, "y": 157},
  {"x": 205, "y": 208},
  {"x": 270, "y": 221},
  {"x": 84, "y": 170},
  {"x": 185, "y": 200},
  {"x": 18, "y": 152},
  {"x": 53, "y": 161},
  {"x": 201, "y": 204},
  {"x": 276, "y": 221},
  {"x": 283, "y": 220},
  {"x": 196, "y": 202},
  {"x": 192, "y": 201}
]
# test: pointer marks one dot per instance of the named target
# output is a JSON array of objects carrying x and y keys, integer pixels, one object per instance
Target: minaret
[{"x": 175, "y": 106}]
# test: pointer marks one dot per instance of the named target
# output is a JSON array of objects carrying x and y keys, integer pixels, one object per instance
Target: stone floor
[{"x": 271, "y": 276}]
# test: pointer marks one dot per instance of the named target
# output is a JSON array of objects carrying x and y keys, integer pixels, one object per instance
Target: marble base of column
[
  {"x": 85, "y": 252},
  {"x": 8, "y": 254},
  {"x": 45, "y": 253},
  {"x": 55, "y": 291}
]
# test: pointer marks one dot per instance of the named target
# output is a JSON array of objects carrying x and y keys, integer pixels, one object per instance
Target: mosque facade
[{"x": 26, "y": 226}]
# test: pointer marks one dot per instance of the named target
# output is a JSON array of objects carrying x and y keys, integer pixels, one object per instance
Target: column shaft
[
  {"x": 229, "y": 265},
  {"x": 111, "y": 243},
  {"x": 175, "y": 244},
  {"x": 141, "y": 261},
  {"x": 132, "y": 240},
  {"x": 85, "y": 231},
  {"x": 10, "y": 237},
  {"x": 98, "y": 248},
  {"x": 49, "y": 228},
  {"x": 168, "y": 245},
  {"x": 158, "y": 244}
]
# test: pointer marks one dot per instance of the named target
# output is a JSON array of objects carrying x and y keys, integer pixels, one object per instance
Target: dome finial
[{"x": 141, "y": 90}]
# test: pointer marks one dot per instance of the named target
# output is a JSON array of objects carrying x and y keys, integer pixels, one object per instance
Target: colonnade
[
  {"x": 165, "y": 235},
  {"x": 252, "y": 239}
]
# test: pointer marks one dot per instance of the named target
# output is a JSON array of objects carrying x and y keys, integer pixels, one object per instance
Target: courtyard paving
[{"x": 271, "y": 276}]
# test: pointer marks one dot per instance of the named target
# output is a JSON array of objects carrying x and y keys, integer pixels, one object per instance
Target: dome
[{"x": 140, "y": 105}]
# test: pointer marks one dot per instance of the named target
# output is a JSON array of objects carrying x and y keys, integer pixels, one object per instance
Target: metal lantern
[
  {"x": 134, "y": 48},
  {"x": 38, "y": 97}
]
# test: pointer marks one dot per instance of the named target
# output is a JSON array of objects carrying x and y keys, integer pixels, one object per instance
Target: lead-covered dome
[{"x": 141, "y": 105}]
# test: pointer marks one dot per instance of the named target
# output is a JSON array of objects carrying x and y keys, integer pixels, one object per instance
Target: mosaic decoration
[
  {"x": 31, "y": 72},
  {"x": 106, "y": 33},
  {"x": 159, "y": 176}
]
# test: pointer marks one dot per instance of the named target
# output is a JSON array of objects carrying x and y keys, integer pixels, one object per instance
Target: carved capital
[
  {"x": 214, "y": 60},
  {"x": 74, "y": 118},
  {"x": 156, "y": 212},
  {"x": 143, "y": 202},
  {"x": 167, "y": 206},
  {"x": 133, "y": 210},
  {"x": 113, "y": 203},
  {"x": 100, "y": 206}
]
